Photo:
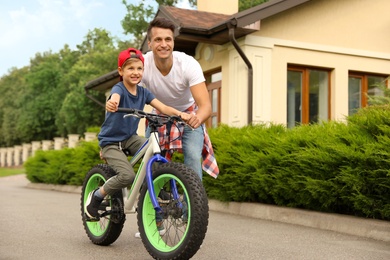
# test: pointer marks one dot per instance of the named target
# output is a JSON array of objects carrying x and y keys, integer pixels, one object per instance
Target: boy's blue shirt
[{"x": 115, "y": 128}]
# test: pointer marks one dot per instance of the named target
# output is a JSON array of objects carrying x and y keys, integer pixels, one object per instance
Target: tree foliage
[
  {"x": 47, "y": 98},
  {"x": 77, "y": 111},
  {"x": 138, "y": 17},
  {"x": 13, "y": 89},
  {"x": 246, "y": 4}
]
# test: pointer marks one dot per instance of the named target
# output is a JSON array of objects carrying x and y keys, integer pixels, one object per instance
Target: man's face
[{"x": 161, "y": 42}]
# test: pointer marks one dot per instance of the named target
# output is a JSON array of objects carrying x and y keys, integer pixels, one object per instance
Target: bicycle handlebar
[{"x": 155, "y": 119}]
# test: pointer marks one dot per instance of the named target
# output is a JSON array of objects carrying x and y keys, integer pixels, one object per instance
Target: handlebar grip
[{"x": 126, "y": 110}]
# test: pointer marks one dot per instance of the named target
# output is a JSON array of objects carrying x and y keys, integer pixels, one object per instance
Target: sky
[{"x": 28, "y": 27}]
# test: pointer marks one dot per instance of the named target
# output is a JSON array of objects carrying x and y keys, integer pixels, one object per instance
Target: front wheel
[
  {"x": 178, "y": 231},
  {"x": 110, "y": 225}
]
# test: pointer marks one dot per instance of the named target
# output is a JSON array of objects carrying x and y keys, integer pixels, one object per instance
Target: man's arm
[{"x": 202, "y": 99}]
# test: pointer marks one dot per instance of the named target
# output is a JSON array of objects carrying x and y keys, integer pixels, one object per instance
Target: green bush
[
  {"x": 67, "y": 166},
  {"x": 329, "y": 167},
  {"x": 93, "y": 129},
  {"x": 340, "y": 167}
]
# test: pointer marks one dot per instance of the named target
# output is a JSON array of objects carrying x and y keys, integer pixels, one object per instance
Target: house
[{"x": 284, "y": 61}]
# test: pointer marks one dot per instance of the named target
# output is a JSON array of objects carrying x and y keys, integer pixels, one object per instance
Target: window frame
[
  {"x": 305, "y": 91},
  {"x": 363, "y": 76}
]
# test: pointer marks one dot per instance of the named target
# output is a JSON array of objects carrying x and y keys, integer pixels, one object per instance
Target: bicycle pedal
[
  {"x": 161, "y": 201},
  {"x": 95, "y": 219}
]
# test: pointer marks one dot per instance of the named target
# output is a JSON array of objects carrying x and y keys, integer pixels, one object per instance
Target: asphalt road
[{"x": 44, "y": 224}]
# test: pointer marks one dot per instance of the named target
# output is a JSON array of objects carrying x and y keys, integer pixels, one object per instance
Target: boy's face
[
  {"x": 161, "y": 42},
  {"x": 132, "y": 72}
]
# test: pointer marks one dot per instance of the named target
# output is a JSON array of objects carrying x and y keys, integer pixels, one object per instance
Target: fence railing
[{"x": 18, "y": 154}]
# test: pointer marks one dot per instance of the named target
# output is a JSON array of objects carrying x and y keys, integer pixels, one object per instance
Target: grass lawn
[{"x": 11, "y": 171}]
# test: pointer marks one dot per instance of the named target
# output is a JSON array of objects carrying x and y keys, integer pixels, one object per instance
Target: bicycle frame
[{"x": 150, "y": 153}]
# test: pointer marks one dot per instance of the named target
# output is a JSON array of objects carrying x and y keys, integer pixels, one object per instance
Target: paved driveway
[{"x": 46, "y": 224}]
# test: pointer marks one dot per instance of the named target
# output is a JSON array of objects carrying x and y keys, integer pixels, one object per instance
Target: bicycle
[{"x": 168, "y": 191}]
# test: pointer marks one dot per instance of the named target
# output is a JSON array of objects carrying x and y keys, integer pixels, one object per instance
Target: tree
[
  {"x": 42, "y": 98},
  {"x": 246, "y": 4},
  {"x": 99, "y": 55},
  {"x": 12, "y": 86},
  {"x": 138, "y": 17}
]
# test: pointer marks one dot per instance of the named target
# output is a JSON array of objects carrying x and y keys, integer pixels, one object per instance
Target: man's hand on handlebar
[{"x": 191, "y": 119}]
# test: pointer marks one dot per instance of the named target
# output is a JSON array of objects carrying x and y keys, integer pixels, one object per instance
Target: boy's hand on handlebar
[
  {"x": 111, "y": 106},
  {"x": 185, "y": 116}
]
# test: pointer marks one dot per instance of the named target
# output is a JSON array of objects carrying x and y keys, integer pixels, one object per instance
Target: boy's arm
[{"x": 113, "y": 103}]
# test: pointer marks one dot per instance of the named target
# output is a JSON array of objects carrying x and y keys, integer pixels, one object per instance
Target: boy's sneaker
[
  {"x": 160, "y": 228},
  {"x": 92, "y": 206}
]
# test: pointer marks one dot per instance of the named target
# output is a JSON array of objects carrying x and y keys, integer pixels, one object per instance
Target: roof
[{"x": 194, "y": 27}]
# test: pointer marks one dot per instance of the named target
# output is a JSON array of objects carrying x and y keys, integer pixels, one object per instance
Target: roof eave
[
  {"x": 104, "y": 82},
  {"x": 265, "y": 10}
]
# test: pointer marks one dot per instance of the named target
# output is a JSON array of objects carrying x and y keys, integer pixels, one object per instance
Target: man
[{"x": 177, "y": 79}]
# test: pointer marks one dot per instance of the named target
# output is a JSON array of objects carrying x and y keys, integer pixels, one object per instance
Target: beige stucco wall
[
  {"x": 218, "y": 6},
  {"x": 342, "y": 36},
  {"x": 213, "y": 57},
  {"x": 358, "y": 24},
  {"x": 340, "y": 64}
]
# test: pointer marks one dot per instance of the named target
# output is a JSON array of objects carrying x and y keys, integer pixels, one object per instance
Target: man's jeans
[{"x": 192, "y": 141}]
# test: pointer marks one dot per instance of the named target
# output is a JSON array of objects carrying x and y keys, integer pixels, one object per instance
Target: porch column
[
  {"x": 18, "y": 155},
  {"x": 3, "y": 157},
  {"x": 36, "y": 145},
  {"x": 73, "y": 140},
  {"x": 10, "y": 156},
  {"x": 26, "y": 151},
  {"x": 46, "y": 145},
  {"x": 59, "y": 143},
  {"x": 90, "y": 136}
]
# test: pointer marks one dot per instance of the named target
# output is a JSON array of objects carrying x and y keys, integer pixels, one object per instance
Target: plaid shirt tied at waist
[{"x": 171, "y": 141}]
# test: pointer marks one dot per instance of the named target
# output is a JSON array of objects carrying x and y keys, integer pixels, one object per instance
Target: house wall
[
  {"x": 352, "y": 24},
  {"x": 233, "y": 97},
  {"x": 325, "y": 57},
  {"x": 337, "y": 35},
  {"x": 218, "y": 6}
]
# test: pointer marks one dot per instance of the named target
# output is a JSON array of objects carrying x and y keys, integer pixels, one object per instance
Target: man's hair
[{"x": 161, "y": 22}]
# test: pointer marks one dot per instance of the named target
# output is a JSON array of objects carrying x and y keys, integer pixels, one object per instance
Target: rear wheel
[
  {"x": 109, "y": 227},
  {"x": 177, "y": 232}
]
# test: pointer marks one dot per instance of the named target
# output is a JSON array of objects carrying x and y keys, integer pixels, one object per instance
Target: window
[
  {"x": 214, "y": 82},
  {"x": 360, "y": 87},
  {"x": 308, "y": 95}
]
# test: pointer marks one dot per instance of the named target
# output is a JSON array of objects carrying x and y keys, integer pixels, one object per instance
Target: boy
[{"x": 118, "y": 133}]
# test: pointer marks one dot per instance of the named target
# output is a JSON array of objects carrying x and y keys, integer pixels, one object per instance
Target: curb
[{"x": 368, "y": 228}]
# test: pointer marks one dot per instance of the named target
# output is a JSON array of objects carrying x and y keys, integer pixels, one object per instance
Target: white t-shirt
[{"x": 173, "y": 89}]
